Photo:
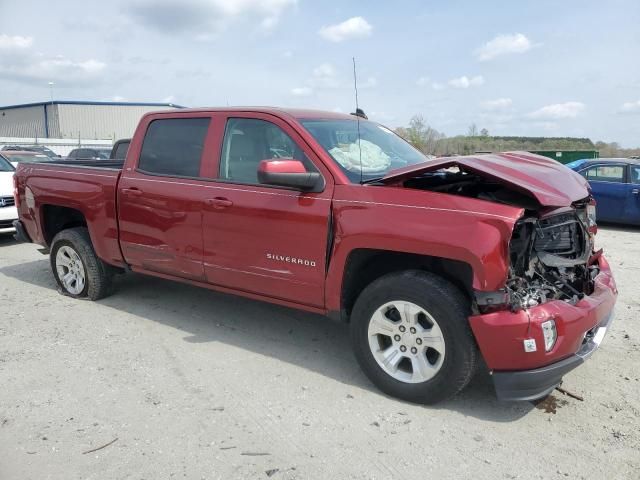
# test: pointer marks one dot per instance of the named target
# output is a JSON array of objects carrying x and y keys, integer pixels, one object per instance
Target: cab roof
[{"x": 297, "y": 113}]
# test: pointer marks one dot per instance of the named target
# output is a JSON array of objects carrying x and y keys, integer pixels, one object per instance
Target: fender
[{"x": 473, "y": 231}]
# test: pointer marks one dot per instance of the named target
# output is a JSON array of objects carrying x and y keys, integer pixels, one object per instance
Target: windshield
[
  {"x": 379, "y": 151},
  {"x": 575, "y": 164},
  {"x": 5, "y": 166}
]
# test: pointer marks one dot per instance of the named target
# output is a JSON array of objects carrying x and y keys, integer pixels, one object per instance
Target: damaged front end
[{"x": 551, "y": 257}]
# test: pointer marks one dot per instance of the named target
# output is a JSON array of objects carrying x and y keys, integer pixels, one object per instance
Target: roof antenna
[{"x": 358, "y": 113}]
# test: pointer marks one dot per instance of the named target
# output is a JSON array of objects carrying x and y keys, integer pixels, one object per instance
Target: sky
[{"x": 542, "y": 68}]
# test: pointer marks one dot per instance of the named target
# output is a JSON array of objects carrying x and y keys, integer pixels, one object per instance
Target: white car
[{"x": 8, "y": 211}]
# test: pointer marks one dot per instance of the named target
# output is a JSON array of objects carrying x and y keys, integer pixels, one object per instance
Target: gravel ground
[{"x": 194, "y": 384}]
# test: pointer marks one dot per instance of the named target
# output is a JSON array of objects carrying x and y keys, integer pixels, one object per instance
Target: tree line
[{"x": 432, "y": 142}]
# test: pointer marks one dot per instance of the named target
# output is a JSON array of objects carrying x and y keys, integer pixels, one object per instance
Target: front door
[
  {"x": 609, "y": 189},
  {"x": 160, "y": 201},
  {"x": 262, "y": 239}
]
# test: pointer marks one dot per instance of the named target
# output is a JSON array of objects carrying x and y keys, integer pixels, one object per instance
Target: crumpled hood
[{"x": 549, "y": 182}]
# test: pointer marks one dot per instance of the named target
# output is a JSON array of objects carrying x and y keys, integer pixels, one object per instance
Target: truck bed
[{"x": 86, "y": 186}]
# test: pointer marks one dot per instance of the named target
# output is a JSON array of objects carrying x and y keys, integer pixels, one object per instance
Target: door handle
[
  {"x": 218, "y": 203},
  {"x": 635, "y": 191},
  {"x": 132, "y": 192}
]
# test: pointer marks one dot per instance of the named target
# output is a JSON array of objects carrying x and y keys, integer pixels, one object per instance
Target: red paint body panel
[
  {"x": 292, "y": 248},
  {"x": 281, "y": 166},
  {"x": 92, "y": 191},
  {"x": 403, "y": 220},
  {"x": 500, "y": 335}
]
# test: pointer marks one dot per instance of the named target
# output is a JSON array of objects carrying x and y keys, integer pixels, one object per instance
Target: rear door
[
  {"x": 160, "y": 198},
  {"x": 263, "y": 239},
  {"x": 608, "y": 183}
]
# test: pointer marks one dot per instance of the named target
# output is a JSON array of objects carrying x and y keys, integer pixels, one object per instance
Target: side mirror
[{"x": 287, "y": 172}]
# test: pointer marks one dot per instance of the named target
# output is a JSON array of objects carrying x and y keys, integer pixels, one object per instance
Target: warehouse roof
[{"x": 80, "y": 102}]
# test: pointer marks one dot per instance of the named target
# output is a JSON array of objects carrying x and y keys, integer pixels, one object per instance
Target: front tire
[
  {"x": 411, "y": 336},
  {"x": 76, "y": 267}
]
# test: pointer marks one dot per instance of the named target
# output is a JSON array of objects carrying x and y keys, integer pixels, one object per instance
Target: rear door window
[
  {"x": 174, "y": 146},
  {"x": 635, "y": 174}
]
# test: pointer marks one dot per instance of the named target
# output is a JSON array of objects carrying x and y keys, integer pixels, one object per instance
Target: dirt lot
[{"x": 195, "y": 384}]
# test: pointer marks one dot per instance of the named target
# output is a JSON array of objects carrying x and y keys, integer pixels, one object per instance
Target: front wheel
[
  {"x": 76, "y": 267},
  {"x": 411, "y": 336}
]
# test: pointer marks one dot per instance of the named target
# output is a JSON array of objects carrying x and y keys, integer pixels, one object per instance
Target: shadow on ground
[
  {"x": 7, "y": 239},
  {"x": 305, "y": 340}
]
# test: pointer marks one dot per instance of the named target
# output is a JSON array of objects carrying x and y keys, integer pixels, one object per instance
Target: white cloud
[
  {"x": 54, "y": 67},
  {"x": 381, "y": 116},
  {"x": 14, "y": 42},
  {"x": 497, "y": 104},
  {"x": 29, "y": 66},
  {"x": 324, "y": 76},
  {"x": 324, "y": 70},
  {"x": 558, "y": 111},
  {"x": 422, "y": 81},
  {"x": 301, "y": 91},
  {"x": 630, "y": 107},
  {"x": 370, "y": 82},
  {"x": 355, "y": 27},
  {"x": 204, "y": 18},
  {"x": 437, "y": 86},
  {"x": 466, "y": 82},
  {"x": 503, "y": 45}
]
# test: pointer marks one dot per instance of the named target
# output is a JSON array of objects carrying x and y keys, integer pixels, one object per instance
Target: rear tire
[
  {"x": 76, "y": 267},
  {"x": 411, "y": 335}
]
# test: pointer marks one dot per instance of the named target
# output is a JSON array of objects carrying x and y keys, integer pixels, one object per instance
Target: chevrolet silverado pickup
[{"x": 435, "y": 263}]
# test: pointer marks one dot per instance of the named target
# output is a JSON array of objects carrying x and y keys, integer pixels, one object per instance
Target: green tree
[{"x": 420, "y": 135}]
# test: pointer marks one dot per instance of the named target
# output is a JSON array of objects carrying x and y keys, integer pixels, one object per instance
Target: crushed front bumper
[
  {"x": 520, "y": 375},
  {"x": 539, "y": 382}
]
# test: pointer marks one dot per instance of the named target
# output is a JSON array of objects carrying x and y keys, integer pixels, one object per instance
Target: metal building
[{"x": 74, "y": 119}]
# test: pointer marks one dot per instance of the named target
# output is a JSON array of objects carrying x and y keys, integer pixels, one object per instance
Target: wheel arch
[
  {"x": 56, "y": 218},
  {"x": 364, "y": 265}
]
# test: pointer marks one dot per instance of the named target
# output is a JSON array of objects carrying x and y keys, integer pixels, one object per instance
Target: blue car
[{"x": 615, "y": 183}]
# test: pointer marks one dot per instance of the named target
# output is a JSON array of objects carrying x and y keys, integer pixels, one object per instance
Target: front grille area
[
  {"x": 7, "y": 202},
  {"x": 560, "y": 235}
]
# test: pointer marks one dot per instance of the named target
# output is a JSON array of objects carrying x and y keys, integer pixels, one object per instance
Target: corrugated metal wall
[
  {"x": 53, "y": 120},
  {"x": 22, "y": 122},
  {"x": 100, "y": 121}
]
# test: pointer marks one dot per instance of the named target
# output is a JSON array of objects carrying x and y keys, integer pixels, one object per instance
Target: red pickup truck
[{"x": 435, "y": 263}]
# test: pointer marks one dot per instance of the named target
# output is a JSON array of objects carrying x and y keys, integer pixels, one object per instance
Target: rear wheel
[
  {"x": 76, "y": 267},
  {"x": 411, "y": 336}
]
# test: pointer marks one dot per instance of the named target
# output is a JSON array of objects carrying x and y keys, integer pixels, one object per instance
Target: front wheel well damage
[{"x": 363, "y": 266}]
